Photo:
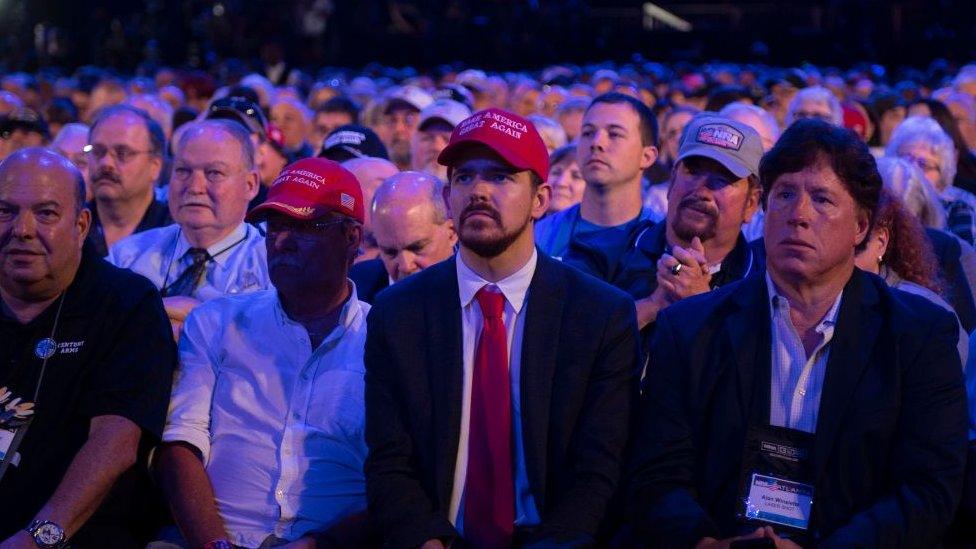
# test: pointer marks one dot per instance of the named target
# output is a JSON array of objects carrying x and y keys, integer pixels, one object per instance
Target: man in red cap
[
  {"x": 498, "y": 382},
  {"x": 264, "y": 440}
]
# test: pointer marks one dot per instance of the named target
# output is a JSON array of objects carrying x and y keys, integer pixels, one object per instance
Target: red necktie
[{"x": 489, "y": 490}]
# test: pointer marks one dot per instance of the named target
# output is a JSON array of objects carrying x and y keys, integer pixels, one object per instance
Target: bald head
[
  {"x": 410, "y": 223},
  {"x": 408, "y": 190},
  {"x": 43, "y": 225},
  {"x": 50, "y": 166}
]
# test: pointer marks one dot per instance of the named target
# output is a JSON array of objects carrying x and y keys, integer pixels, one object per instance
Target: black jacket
[
  {"x": 890, "y": 441},
  {"x": 579, "y": 353}
]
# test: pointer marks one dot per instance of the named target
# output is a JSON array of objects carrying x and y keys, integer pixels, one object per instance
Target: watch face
[{"x": 49, "y": 534}]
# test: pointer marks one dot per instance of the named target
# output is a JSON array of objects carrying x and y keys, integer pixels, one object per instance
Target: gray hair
[
  {"x": 157, "y": 140},
  {"x": 905, "y": 180},
  {"x": 922, "y": 129},
  {"x": 390, "y": 189},
  {"x": 549, "y": 129},
  {"x": 234, "y": 129},
  {"x": 730, "y": 110},
  {"x": 816, "y": 94}
]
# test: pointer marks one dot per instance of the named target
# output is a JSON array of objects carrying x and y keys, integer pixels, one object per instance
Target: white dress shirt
[
  {"x": 514, "y": 287},
  {"x": 280, "y": 426},
  {"x": 239, "y": 263},
  {"x": 797, "y": 379}
]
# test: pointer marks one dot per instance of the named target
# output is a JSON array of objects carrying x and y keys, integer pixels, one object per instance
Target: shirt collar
[
  {"x": 513, "y": 287},
  {"x": 351, "y": 310},
  {"x": 183, "y": 245},
  {"x": 829, "y": 319}
]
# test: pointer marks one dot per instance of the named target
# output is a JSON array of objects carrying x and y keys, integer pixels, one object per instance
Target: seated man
[
  {"x": 86, "y": 361},
  {"x": 412, "y": 232},
  {"x": 209, "y": 251},
  {"x": 264, "y": 440},
  {"x": 808, "y": 404},
  {"x": 713, "y": 190}
]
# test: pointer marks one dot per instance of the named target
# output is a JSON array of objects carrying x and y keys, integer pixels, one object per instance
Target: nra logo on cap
[
  {"x": 345, "y": 137},
  {"x": 720, "y": 135}
]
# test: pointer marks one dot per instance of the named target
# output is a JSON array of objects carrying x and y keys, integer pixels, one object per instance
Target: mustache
[
  {"x": 105, "y": 173},
  {"x": 699, "y": 203},
  {"x": 485, "y": 208}
]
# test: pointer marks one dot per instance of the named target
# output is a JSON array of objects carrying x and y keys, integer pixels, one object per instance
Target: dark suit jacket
[
  {"x": 957, "y": 292},
  {"x": 370, "y": 277},
  {"x": 891, "y": 434},
  {"x": 579, "y": 356}
]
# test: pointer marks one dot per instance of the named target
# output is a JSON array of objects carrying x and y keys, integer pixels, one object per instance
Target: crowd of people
[{"x": 604, "y": 306}]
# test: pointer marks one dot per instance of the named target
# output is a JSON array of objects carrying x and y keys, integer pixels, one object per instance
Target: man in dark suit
[
  {"x": 498, "y": 383},
  {"x": 412, "y": 231},
  {"x": 811, "y": 404}
]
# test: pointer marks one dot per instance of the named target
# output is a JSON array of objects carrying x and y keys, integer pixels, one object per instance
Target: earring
[{"x": 880, "y": 261}]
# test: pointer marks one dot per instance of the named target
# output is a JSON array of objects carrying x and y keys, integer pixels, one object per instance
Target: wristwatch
[{"x": 47, "y": 534}]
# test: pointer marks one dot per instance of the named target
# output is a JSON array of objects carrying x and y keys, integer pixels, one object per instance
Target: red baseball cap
[
  {"x": 310, "y": 187},
  {"x": 514, "y": 138}
]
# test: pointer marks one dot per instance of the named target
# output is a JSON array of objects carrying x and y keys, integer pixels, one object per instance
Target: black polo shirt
[
  {"x": 114, "y": 355},
  {"x": 157, "y": 215}
]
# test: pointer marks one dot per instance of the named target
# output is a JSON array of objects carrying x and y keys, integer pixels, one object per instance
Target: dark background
[{"x": 492, "y": 34}]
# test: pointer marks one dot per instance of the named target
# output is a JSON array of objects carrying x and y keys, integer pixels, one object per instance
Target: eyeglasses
[
  {"x": 304, "y": 230},
  {"x": 922, "y": 163},
  {"x": 120, "y": 153}
]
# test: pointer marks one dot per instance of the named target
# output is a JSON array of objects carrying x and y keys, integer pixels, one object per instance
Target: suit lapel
[
  {"x": 543, "y": 318},
  {"x": 443, "y": 318},
  {"x": 748, "y": 332},
  {"x": 858, "y": 323}
]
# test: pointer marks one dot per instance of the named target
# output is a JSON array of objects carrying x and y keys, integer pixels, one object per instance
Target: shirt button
[
  {"x": 280, "y": 493},
  {"x": 304, "y": 377},
  {"x": 803, "y": 392},
  {"x": 296, "y": 415}
]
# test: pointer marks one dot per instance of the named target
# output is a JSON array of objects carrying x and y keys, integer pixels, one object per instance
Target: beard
[
  {"x": 686, "y": 230},
  {"x": 483, "y": 243}
]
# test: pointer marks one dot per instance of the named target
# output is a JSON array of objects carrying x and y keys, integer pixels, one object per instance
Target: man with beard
[
  {"x": 498, "y": 383},
  {"x": 126, "y": 149},
  {"x": 264, "y": 440},
  {"x": 412, "y": 232},
  {"x": 714, "y": 189}
]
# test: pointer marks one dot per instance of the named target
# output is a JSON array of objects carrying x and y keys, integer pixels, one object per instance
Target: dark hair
[
  {"x": 341, "y": 104},
  {"x": 909, "y": 253},
  {"x": 721, "y": 96},
  {"x": 808, "y": 142},
  {"x": 157, "y": 140},
  {"x": 648, "y": 123},
  {"x": 61, "y": 111},
  {"x": 563, "y": 153}
]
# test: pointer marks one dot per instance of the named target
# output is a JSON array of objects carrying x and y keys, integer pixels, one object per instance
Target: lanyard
[
  {"x": 44, "y": 349},
  {"x": 176, "y": 244}
]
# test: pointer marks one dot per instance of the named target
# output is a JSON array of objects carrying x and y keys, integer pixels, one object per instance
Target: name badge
[
  {"x": 779, "y": 501},
  {"x": 7, "y": 438}
]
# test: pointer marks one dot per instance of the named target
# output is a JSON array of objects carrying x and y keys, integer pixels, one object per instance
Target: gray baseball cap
[{"x": 731, "y": 143}]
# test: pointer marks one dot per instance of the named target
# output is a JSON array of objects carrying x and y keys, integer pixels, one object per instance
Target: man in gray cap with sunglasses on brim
[{"x": 713, "y": 190}]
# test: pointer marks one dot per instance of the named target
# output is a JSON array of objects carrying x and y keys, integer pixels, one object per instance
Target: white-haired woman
[
  {"x": 923, "y": 142},
  {"x": 815, "y": 102}
]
